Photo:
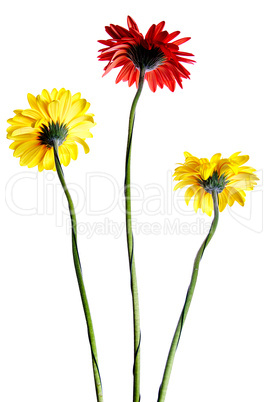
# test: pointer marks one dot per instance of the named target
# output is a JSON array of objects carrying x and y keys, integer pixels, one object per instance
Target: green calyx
[
  {"x": 54, "y": 132},
  {"x": 147, "y": 58},
  {"x": 214, "y": 182}
]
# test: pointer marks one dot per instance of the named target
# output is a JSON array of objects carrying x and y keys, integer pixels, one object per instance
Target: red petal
[
  {"x": 133, "y": 75},
  {"x": 150, "y": 34},
  {"x": 182, "y": 70},
  {"x": 172, "y": 36},
  {"x": 159, "y": 27},
  {"x": 150, "y": 77},
  {"x": 106, "y": 56},
  {"x": 180, "y": 41},
  {"x": 183, "y": 60},
  {"x": 112, "y": 32},
  {"x": 136, "y": 35},
  {"x": 168, "y": 78},
  {"x": 159, "y": 78},
  {"x": 161, "y": 36},
  {"x": 185, "y": 54},
  {"x": 107, "y": 42},
  {"x": 178, "y": 76},
  {"x": 123, "y": 32},
  {"x": 132, "y": 24},
  {"x": 124, "y": 72},
  {"x": 116, "y": 63},
  {"x": 137, "y": 78}
]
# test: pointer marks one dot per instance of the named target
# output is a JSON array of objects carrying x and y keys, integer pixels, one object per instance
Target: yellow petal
[
  {"x": 237, "y": 195},
  {"x": 190, "y": 192},
  {"x": 15, "y": 145},
  {"x": 240, "y": 160},
  {"x": 25, "y": 130},
  {"x": 41, "y": 166},
  {"x": 222, "y": 200},
  {"x": 60, "y": 93},
  {"x": 38, "y": 157},
  {"x": 246, "y": 169},
  {"x": 24, "y": 137},
  {"x": 243, "y": 181},
  {"x": 82, "y": 130},
  {"x": 215, "y": 158},
  {"x": 40, "y": 122},
  {"x": 31, "y": 113},
  {"x": 187, "y": 154},
  {"x": 48, "y": 160},
  {"x": 182, "y": 184},
  {"x": 207, "y": 204},
  {"x": 65, "y": 104},
  {"x": 203, "y": 161},
  {"x": 80, "y": 119},
  {"x": 53, "y": 110},
  {"x": 86, "y": 107},
  {"x": 42, "y": 106},
  {"x": 29, "y": 155},
  {"x": 75, "y": 110},
  {"x": 46, "y": 95},
  {"x": 205, "y": 170},
  {"x": 54, "y": 94},
  {"x": 32, "y": 102},
  {"x": 235, "y": 154},
  {"x": 234, "y": 195},
  {"x": 64, "y": 155},
  {"x": 73, "y": 149},
  {"x": 11, "y": 130},
  {"x": 234, "y": 167},
  {"x": 21, "y": 120},
  {"x": 25, "y": 146},
  {"x": 198, "y": 198},
  {"x": 80, "y": 141},
  {"x": 75, "y": 97}
]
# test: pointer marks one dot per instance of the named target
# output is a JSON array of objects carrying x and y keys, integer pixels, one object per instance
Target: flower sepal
[
  {"x": 53, "y": 132},
  {"x": 214, "y": 182}
]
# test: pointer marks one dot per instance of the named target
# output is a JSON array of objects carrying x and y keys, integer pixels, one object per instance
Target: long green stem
[
  {"x": 130, "y": 243},
  {"x": 78, "y": 270},
  {"x": 189, "y": 296}
]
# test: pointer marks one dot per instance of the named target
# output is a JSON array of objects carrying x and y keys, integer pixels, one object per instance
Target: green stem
[
  {"x": 78, "y": 270},
  {"x": 133, "y": 284},
  {"x": 189, "y": 296}
]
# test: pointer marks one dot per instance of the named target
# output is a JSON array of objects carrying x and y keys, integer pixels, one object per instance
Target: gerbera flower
[
  {"x": 158, "y": 60},
  {"x": 155, "y": 52},
  {"x": 54, "y": 116},
  {"x": 214, "y": 183},
  {"x": 46, "y": 135},
  {"x": 226, "y": 176}
]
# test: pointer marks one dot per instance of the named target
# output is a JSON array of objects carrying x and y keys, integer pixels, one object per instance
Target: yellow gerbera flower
[
  {"x": 225, "y": 175},
  {"x": 53, "y": 117}
]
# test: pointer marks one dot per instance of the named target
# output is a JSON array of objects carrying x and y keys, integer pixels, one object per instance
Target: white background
[{"x": 223, "y": 108}]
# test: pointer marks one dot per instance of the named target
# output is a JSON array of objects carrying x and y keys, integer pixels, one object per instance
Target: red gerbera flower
[{"x": 131, "y": 51}]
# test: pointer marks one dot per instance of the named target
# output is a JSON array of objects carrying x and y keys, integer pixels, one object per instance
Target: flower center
[
  {"x": 54, "y": 132},
  {"x": 148, "y": 58},
  {"x": 214, "y": 182}
]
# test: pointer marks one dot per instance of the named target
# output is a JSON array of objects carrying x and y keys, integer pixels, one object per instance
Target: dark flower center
[
  {"x": 214, "y": 182},
  {"x": 54, "y": 132},
  {"x": 148, "y": 58}
]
